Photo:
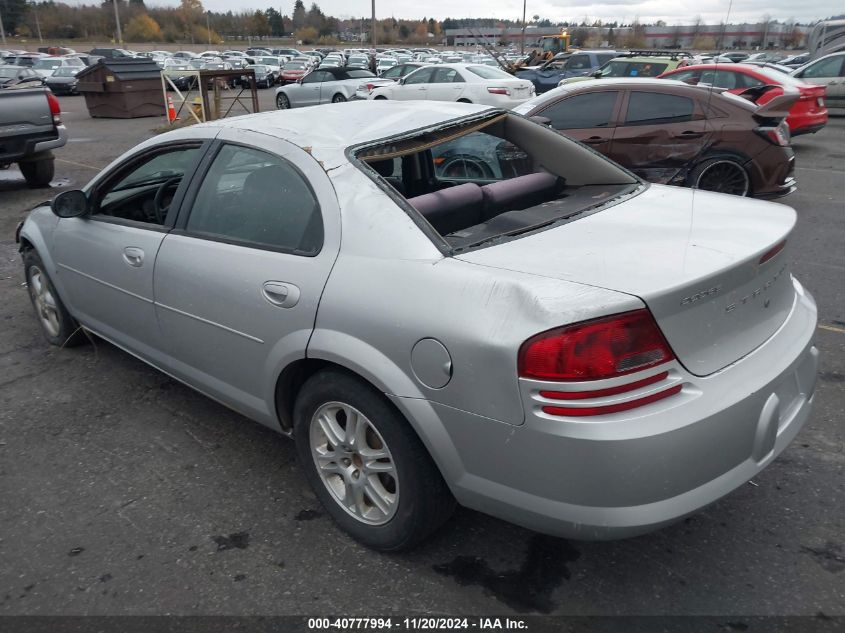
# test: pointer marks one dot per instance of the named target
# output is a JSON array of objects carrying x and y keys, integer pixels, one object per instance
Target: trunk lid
[{"x": 694, "y": 258}]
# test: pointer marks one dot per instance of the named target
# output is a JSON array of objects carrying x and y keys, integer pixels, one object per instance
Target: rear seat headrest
[
  {"x": 448, "y": 199},
  {"x": 506, "y": 191}
]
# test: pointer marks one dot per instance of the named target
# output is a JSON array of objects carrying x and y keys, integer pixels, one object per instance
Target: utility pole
[
  {"x": 117, "y": 22},
  {"x": 522, "y": 47},
  {"x": 2, "y": 30},
  {"x": 374, "y": 26},
  {"x": 37, "y": 22},
  {"x": 208, "y": 28}
]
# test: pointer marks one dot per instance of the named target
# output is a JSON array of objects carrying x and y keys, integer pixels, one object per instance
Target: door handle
[
  {"x": 595, "y": 140},
  {"x": 280, "y": 293},
  {"x": 133, "y": 256},
  {"x": 689, "y": 134}
]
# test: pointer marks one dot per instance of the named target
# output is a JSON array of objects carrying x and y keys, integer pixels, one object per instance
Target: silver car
[
  {"x": 322, "y": 85},
  {"x": 558, "y": 344}
]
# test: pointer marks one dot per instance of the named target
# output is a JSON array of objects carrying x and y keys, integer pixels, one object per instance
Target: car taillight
[
  {"x": 594, "y": 350},
  {"x": 498, "y": 91},
  {"x": 777, "y": 135},
  {"x": 55, "y": 108}
]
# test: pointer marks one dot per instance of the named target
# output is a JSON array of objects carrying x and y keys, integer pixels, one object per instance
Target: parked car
[
  {"x": 271, "y": 62},
  {"x": 264, "y": 77},
  {"x": 323, "y": 85},
  {"x": 564, "y": 65},
  {"x": 828, "y": 71},
  {"x": 19, "y": 76},
  {"x": 670, "y": 132},
  {"x": 47, "y": 65},
  {"x": 468, "y": 83},
  {"x": 808, "y": 114},
  {"x": 30, "y": 128},
  {"x": 358, "y": 61},
  {"x": 112, "y": 53},
  {"x": 27, "y": 60},
  {"x": 637, "y": 64},
  {"x": 63, "y": 81},
  {"x": 391, "y": 75},
  {"x": 295, "y": 70},
  {"x": 569, "y": 348},
  {"x": 795, "y": 61},
  {"x": 384, "y": 63}
]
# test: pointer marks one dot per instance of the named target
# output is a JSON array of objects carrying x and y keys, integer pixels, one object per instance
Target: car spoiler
[{"x": 778, "y": 107}]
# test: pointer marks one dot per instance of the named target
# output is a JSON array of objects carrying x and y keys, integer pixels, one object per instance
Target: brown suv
[{"x": 673, "y": 133}]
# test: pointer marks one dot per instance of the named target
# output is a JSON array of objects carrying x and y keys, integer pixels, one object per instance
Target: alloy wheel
[
  {"x": 724, "y": 176},
  {"x": 43, "y": 300},
  {"x": 354, "y": 463}
]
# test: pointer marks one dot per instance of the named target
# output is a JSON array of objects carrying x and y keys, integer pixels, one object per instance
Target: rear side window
[
  {"x": 255, "y": 197},
  {"x": 825, "y": 68},
  {"x": 651, "y": 108},
  {"x": 582, "y": 111}
]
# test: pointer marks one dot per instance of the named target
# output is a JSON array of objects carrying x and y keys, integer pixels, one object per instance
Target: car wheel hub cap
[
  {"x": 354, "y": 463},
  {"x": 45, "y": 303}
]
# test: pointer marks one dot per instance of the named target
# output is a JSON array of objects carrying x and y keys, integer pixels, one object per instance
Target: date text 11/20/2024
[{"x": 417, "y": 623}]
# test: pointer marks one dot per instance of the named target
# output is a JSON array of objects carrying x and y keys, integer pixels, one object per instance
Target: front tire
[
  {"x": 38, "y": 173},
  {"x": 282, "y": 101},
  {"x": 58, "y": 327},
  {"x": 365, "y": 463}
]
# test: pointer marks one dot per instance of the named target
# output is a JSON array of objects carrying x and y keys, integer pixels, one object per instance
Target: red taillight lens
[
  {"x": 769, "y": 254},
  {"x": 498, "y": 91},
  {"x": 55, "y": 108},
  {"x": 596, "y": 349}
]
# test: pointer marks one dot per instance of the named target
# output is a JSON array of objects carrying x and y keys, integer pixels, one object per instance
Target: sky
[{"x": 672, "y": 11}]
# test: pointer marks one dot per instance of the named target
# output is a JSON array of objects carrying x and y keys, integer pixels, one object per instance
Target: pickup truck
[{"x": 30, "y": 127}]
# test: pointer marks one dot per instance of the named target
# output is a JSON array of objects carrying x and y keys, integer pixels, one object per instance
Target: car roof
[
  {"x": 645, "y": 59},
  {"x": 347, "y": 124}
]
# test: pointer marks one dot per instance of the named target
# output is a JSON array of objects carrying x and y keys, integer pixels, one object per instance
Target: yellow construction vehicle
[{"x": 549, "y": 46}]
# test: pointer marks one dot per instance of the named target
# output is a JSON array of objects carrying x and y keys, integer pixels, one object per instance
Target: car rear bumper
[
  {"x": 620, "y": 475},
  {"x": 772, "y": 173},
  {"x": 808, "y": 129}
]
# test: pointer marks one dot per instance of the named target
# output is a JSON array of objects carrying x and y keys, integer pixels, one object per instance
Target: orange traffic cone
[{"x": 171, "y": 110}]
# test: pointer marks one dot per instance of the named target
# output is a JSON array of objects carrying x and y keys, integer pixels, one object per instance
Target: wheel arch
[{"x": 343, "y": 353}]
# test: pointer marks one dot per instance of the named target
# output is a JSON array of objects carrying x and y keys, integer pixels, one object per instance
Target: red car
[
  {"x": 293, "y": 71},
  {"x": 807, "y": 115}
]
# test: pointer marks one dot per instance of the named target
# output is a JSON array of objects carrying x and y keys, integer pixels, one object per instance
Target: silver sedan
[
  {"x": 322, "y": 85},
  {"x": 556, "y": 343}
]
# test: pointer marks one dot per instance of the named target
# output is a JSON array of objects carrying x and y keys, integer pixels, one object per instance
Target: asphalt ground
[{"x": 124, "y": 492}]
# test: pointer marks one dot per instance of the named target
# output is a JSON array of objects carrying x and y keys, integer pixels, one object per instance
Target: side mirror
[
  {"x": 597, "y": 74},
  {"x": 542, "y": 120},
  {"x": 70, "y": 204}
]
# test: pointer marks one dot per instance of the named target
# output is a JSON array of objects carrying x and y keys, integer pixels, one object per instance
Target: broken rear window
[{"x": 477, "y": 181}]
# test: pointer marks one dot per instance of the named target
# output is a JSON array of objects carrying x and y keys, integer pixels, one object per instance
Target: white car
[
  {"x": 384, "y": 63},
  {"x": 468, "y": 83},
  {"x": 45, "y": 66}
]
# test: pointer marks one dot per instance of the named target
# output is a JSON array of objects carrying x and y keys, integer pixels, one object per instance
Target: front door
[
  {"x": 238, "y": 280},
  {"x": 588, "y": 117},
  {"x": 415, "y": 85},
  {"x": 661, "y": 135},
  {"x": 308, "y": 91},
  {"x": 105, "y": 261}
]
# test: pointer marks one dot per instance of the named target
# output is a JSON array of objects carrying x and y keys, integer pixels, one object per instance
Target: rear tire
[
  {"x": 38, "y": 173},
  {"x": 464, "y": 101},
  {"x": 380, "y": 98},
  {"x": 58, "y": 327},
  {"x": 338, "y": 98},
  {"x": 379, "y": 484},
  {"x": 722, "y": 175}
]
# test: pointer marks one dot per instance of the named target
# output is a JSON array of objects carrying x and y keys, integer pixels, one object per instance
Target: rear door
[
  {"x": 828, "y": 72},
  {"x": 660, "y": 135},
  {"x": 238, "y": 280},
  {"x": 587, "y": 117}
]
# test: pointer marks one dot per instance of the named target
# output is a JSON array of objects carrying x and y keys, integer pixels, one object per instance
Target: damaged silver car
[{"x": 553, "y": 341}]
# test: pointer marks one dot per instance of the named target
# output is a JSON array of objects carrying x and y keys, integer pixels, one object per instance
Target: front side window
[
  {"x": 652, "y": 108},
  {"x": 447, "y": 76},
  {"x": 142, "y": 192},
  {"x": 824, "y": 68},
  {"x": 582, "y": 111},
  {"x": 255, "y": 197},
  {"x": 422, "y": 76}
]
